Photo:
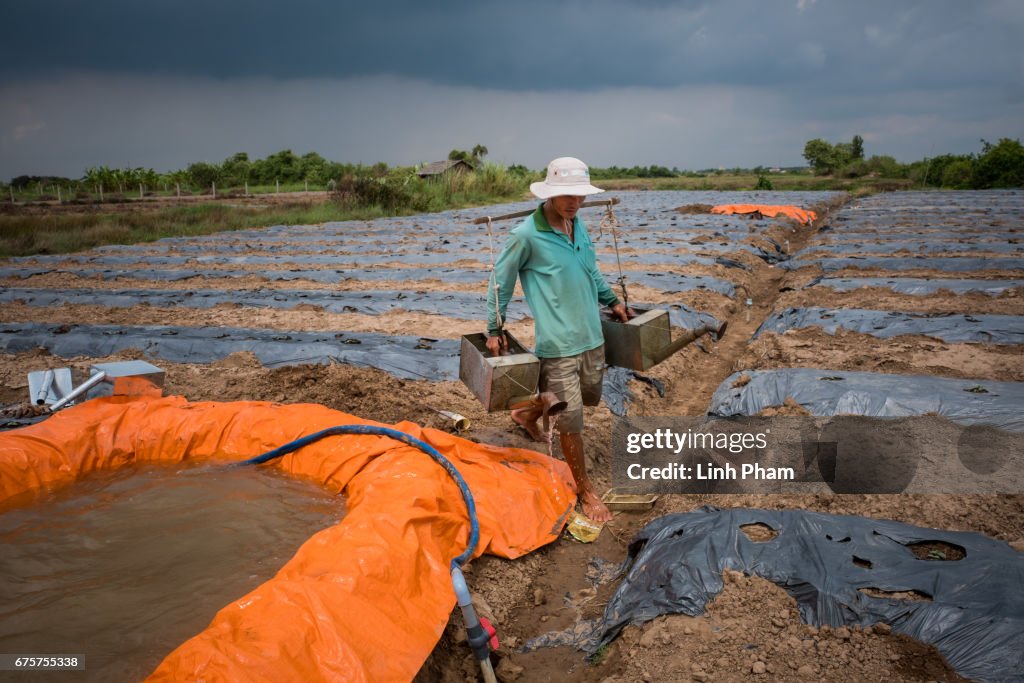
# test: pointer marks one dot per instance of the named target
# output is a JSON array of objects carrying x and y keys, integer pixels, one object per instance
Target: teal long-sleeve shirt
[{"x": 562, "y": 284}]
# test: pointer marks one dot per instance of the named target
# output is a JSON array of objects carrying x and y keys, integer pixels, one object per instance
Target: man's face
[{"x": 566, "y": 206}]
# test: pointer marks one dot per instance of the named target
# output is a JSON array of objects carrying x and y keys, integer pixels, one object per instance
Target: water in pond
[{"x": 123, "y": 567}]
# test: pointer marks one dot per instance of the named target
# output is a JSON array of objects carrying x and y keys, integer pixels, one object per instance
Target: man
[{"x": 551, "y": 253}]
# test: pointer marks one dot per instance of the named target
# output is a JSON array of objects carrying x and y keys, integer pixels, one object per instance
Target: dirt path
[{"x": 693, "y": 374}]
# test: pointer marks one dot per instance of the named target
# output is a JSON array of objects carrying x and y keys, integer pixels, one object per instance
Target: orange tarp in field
[
  {"x": 794, "y": 212},
  {"x": 365, "y": 600}
]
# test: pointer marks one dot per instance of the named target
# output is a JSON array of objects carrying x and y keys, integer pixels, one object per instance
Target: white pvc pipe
[
  {"x": 82, "y": 388},
  {"x": 44, "y": 390}
]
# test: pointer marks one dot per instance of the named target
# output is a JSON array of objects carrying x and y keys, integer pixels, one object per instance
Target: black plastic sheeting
[
  {"x": 694, "y": 240},
  {"x": 367, "y": 238},
  {"x": 348, "y": 260},
  {"x": 19, "y": 422},
  {"x": 895, "y": 221},
  {"x": 885, "y": 236},
  {"x": 616, "y": 393},
  {"x": 301, "y": 238},
  {"x": 296, "y": 260},
  {"x": 23, "y": 272},
  {"x": 837, "y": 392},
  {"x": 459, "y": 275},
  {"x": 950, "y": 327},
  {"x": 607, "y": 259},
  {"x": 300, "y": 244},
  {"x": 405, "y": 357},
  {"x": 461, "y": 305},
  {"x": 918, "y": 286},
  {"x": 681, "y": 315},
  {"x": 730, "y": 263},
  {"x": 975, "y": 616},
  {"x": 930, "y": 200},
  {"x": 666, "y": 282},
  {"x": 675, "y": 282},
  {"x": 955, "y": 264},
  {"x": 913, "y": 246}
]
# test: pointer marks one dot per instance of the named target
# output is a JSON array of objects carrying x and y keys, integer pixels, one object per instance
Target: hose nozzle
[{"x": 478, "y": 637}]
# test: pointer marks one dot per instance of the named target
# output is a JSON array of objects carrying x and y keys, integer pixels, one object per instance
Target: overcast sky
[{"x": 681, "y": 83}]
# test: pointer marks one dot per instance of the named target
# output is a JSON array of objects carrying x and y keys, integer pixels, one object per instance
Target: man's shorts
[{"x": 577, "y": 381}]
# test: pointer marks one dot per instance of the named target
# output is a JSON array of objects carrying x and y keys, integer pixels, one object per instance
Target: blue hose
[{"x": 474, "y": 524}]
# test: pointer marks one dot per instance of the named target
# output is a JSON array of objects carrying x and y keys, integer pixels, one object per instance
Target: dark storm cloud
[
  {"x": 531, "y": 44},
  {"x": 676, "y": 83}
]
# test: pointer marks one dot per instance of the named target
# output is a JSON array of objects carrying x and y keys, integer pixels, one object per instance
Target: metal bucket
[
  {"x": 498, "y": 381},
  {"x": 639, "y": 344}
]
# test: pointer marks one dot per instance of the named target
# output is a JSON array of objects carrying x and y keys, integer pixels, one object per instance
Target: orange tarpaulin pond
[
  {"x": 365, "y": 600},
  {"x": 794, "y": 212}
]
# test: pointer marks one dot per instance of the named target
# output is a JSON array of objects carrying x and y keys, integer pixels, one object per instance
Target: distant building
[{"x": 439, "y": 168}]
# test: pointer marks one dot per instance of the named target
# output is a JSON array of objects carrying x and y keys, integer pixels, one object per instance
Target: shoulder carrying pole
[{"x": 527, "y": 212}]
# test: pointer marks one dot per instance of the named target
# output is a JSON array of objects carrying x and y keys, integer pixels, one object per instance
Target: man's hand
[
  {"x": 497, "y": 345},
  {"x": 621, "y": 313}
]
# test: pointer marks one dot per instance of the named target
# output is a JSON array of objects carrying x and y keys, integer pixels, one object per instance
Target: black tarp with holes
[{"x": 972, "y": 609}]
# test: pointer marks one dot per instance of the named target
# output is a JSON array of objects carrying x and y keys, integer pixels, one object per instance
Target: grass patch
[
  {"x": 402, "y": 191},
  {"x": 601, "y": 655},
  {"x": 56, "y": 233}
]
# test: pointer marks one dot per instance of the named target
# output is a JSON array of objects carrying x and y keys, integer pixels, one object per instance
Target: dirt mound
[{"x": 752, "y": 629}]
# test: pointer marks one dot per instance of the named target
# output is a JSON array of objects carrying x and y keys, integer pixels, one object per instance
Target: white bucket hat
[{"x": 566, "y": 176}]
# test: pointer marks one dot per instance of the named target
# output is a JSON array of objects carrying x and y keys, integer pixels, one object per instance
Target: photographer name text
[{"x": 709, "y": 472}]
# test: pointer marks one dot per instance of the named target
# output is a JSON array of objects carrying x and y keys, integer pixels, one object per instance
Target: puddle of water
[{"x": 123, "y": 567}]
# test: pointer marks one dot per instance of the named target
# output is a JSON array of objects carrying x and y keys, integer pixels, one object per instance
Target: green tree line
[
  {"x": 654, "y": 171},
  {"x": 996, "y": 165},
  {"x": 283, "y": 167}
]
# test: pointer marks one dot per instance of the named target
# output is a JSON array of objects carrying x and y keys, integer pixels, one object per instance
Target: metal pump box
[
  {"x": 498, "y": 381},
  {"x": 128, "y": 378},
  {"x": 639, "y": 344}
]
